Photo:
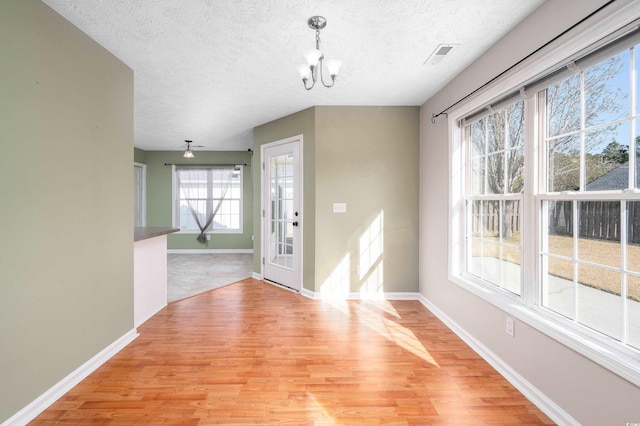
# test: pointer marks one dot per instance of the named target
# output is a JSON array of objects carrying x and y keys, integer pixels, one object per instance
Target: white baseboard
[
  {"x": 362, "y": 296},
  {"x": 209, "y": 251},
  {"x": 308, "y": 293},
  {"x": 256, "y": 276},
  {"x": 54, "y": 393},
  {"x": 537, "y": 397}
]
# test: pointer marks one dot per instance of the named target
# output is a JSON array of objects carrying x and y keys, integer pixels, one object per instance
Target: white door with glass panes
[{"x": 282, "y": 215}]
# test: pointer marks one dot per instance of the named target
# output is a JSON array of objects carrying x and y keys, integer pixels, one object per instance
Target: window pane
[
  {"x": 599, "y": 240},
  {"x": 633, "y": 236},
  {"x": 477, "y": 136},
  {"x": 495, "y": 173},
  {"x": 564, "y": 164},
  {"x": 474, "y": 262},
  {"x": 491, "y": 261},
  {"x": 637, "y": 69},
  {"x": 511, "y": 254},
  {"x": 633, "y": 311},
  {"x": 511, "y": 214},
  {"x": 558, "y": 287},
  {"x": 201, "y": 191},
  {"x": 599, "y": 301},
  {"x": 476, "y": 178},
  {"x": 515, "y": 113},
  {"x": 607, "y": 160},
  {"x": 511, "y": 270},
  {"x": 496, "y": 132},
  {"x": 560, "y": 233},
  {"x": 606, "y": 87},
  {"x": 636, "y": 145},
  {"x": 515, "y": 171},
  {"x": 563, "y": 107}
]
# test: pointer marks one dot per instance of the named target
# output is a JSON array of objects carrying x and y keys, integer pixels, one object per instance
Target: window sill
[
  {"x": 214, "y": 232},
  {"x": 623, "y": 361}
]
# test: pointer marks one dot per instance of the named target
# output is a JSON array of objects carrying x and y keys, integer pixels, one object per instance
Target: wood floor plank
[{"x": 251, "y": 353}]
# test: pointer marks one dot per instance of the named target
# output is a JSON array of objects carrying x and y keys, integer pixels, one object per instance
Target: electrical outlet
[
  {"x": 511, "y": 327},
  {"x": 208, "y": 237}
]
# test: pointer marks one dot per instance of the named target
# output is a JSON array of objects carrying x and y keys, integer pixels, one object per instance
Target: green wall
[
  {"x": 66, "y": 225},
  {"x": 366, "y": 157},
  {"x": 300, "y": 123},
  {"x": 159, "y": 193},
  {"x": 139, "y": 156}
]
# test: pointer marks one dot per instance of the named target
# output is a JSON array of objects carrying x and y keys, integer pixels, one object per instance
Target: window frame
[
  {"x": 616, "y": 357},
  {"x": 175, "y": 210}
]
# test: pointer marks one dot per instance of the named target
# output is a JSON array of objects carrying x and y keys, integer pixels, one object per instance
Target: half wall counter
[{"x": 149, "y": 271}]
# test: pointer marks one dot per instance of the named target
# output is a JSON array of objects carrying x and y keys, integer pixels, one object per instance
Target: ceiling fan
[{"x": 188, "y": 153}]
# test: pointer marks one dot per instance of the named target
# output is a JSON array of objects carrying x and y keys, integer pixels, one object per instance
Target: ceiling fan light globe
[{"x": 188, "y": 154}]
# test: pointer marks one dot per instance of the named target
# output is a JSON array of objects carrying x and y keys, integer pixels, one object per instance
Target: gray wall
[
  {"x": 366, "y": 157},
  {"x": 159, "y": 193},
  {"x": 66, "y": 222},
  {"x": 588, "y": 392}
]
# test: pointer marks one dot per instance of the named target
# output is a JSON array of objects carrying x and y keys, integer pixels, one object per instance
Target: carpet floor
[{"x": 191, "y": 274}]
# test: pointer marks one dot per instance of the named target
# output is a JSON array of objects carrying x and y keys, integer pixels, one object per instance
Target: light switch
[{"x": 339, "y": 207}]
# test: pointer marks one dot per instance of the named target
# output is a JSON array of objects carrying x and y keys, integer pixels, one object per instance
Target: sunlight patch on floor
[{"x": 393, "y": 331}]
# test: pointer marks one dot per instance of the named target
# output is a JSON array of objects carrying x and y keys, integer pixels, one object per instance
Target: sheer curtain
[{"x": 204, "y": 190}]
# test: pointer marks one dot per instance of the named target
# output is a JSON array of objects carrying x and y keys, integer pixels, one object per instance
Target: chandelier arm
[
  {"x": 304, "y": 82},
  {"x": 333, "y": 80}
]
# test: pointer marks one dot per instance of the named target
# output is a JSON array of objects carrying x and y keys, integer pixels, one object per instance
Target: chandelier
[
  {"x": 188, "y": 153},
  {"x": 315, "y": 59}
]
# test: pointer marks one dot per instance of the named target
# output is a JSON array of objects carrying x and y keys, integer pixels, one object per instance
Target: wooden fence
[{"x": 598, "y": 220}]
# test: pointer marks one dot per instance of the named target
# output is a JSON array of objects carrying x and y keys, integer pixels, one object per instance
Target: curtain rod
[
  {"x": 444, "y": 111},
  {"x": 205, "y": 165}
]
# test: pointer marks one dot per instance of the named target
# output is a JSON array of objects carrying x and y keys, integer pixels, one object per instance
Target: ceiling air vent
[{"x": 438, "y": 54}]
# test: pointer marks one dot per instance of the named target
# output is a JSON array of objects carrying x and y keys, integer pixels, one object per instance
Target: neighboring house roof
[{"x": 617, "y": 178}]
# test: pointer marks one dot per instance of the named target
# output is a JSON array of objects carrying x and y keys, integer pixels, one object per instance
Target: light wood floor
[{"x": 252, "y": 353}]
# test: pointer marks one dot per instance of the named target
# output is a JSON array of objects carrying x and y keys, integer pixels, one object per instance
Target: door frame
[
  {"x": 264, "y": 195},
  {"x": 143, "y": 208}
]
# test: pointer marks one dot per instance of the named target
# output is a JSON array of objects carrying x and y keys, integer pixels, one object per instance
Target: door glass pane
[{"x": 281, "y": 236}]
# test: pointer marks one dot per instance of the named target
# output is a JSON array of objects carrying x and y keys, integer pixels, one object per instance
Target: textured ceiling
[{"x": 211, "y": 70}]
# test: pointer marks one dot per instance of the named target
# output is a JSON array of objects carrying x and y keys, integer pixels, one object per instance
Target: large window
[
  {"x": 590, "y": 251},
  {"x": 208, "y": 195},
  {"x": 546, "y": 202},
  {"x": 494, "y": 196}
]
